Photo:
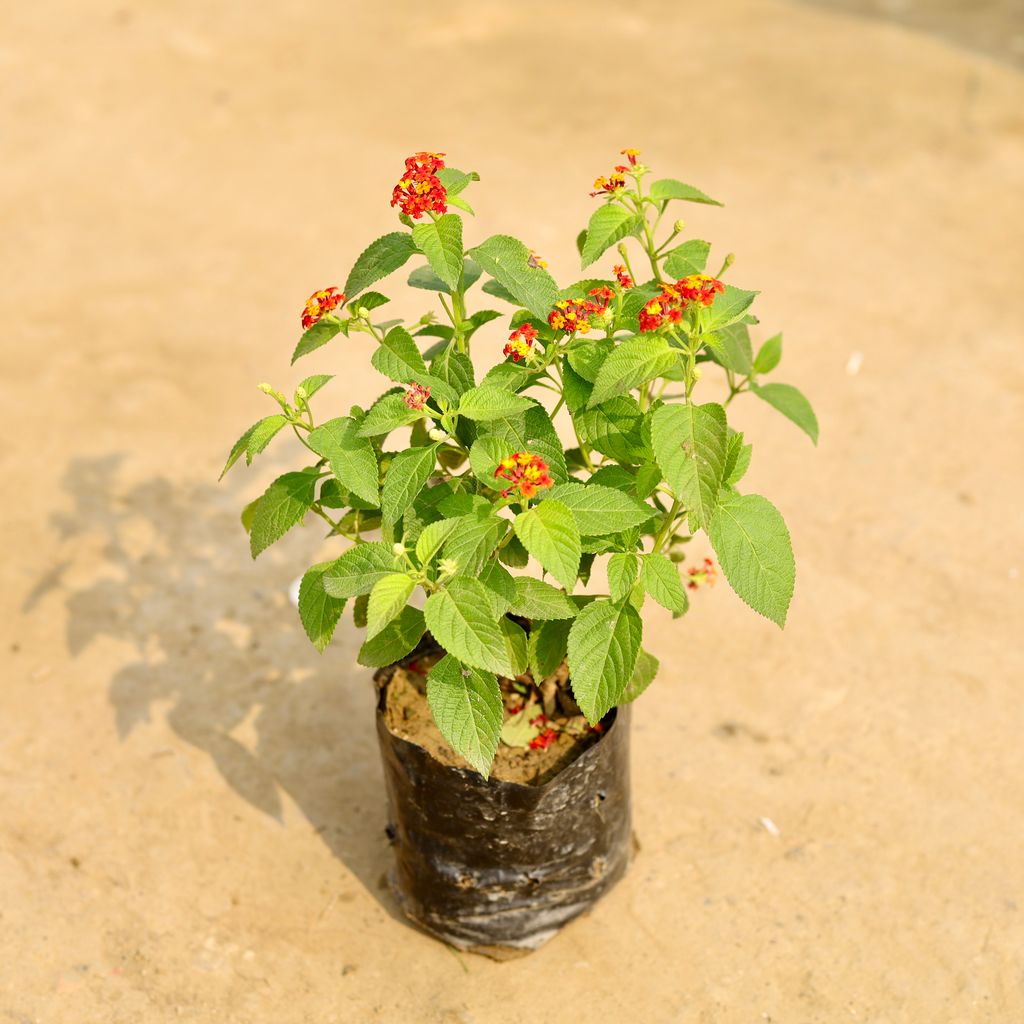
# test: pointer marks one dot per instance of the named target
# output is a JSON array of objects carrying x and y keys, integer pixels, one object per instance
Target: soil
[
  {"x": 192, "y": 806},
  {"x": 407, "y": 715}
]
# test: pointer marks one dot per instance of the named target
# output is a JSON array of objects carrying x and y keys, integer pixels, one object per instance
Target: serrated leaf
[
  {"x": 753, "y": 547},
  {"x": 768, "y": 355},
  {"x": 792, "y": 404},
  {"x": 670, "y": 188},
  {"x": 636, "y": 361},
  {"x": 441, "y": 242},
  {"x": 359, "y": 568},
  {"x": 599, "y": 510},
  {"x": 385, "y": 415},
  {"x": 729, "y": 307},
  {"x": 506, "y": 259},
  {"x": 660, "y": 578},
  {"x": 689, "y": 258},
  {"x": 406, "y": 476},
  {"x": 398, "y": 357},
  {"x": 603, "y": 646},
  {"x": 549, "y": 532},
  {"x": 467, "y": 707},
  {"x": 608, "y": 224},
  {"x": 395, "y": 640},
  {"x": 432, "y": 538},
  {"x": 378, "y": 259},
  {"x": 455, "y": 369},
  {"x": 615, "y": 429},
  {"x": 643, "y": 675},
  {"x": 484, "y": 457},
  {"x": 311, "y": 385},
  {"x": 689, "y": 443},
  {"x": 623, "y": 569},
  {"x": 424, "y": 277},
  {"x": 500, "y": 584},
  {"x": 488, "y": 402},
  {"x": 454, "y": 180},
  {"x": 548, "y": 644},
  {"x": 460, "y": 619},
  {"x": 731, "y": 348},
  {"x": 737, "y": 459},
  {"x": 318, "y": 611},
  {"x": 587, "y": 356},
  {"x": 368, "y": 301},
  {"x": 475, "y": 539},
  {"x": 352, "y": 458},
  {"x": 255, "y": 440},
  {"x": 535, "y": 599},
  {"x": 315, "y": 337},
  {"x": 283, "y": 505},
  {"x": 389, "y": 596},
  {"x": 499, "y": 291}
]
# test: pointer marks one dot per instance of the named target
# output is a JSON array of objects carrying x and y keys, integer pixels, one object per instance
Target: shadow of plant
[{"x": 216, "y": 638}]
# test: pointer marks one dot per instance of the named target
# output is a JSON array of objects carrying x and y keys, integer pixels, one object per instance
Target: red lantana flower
[
  {"x": 630, "y": 155},
  {"x": 520, "y": 341},
  {"x": 668, "y": 307},
  {"x": 703, "y": 576},
  {"x": 573, "y": 315},
  {"x": 525, "y": 473},
  {"x": 319, "y": 304},
  {"x": 608, "y": 186},
  {"x": 543, "y": 740},
  {"x": 416, "y": 397},
  {"x": 700, "y": 288},
  {"x": 420, "y": 190},
  {"x": 625, "y": 281}
]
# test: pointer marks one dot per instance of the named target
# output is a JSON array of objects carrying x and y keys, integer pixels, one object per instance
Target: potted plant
[{"x": 470, "y": 529}]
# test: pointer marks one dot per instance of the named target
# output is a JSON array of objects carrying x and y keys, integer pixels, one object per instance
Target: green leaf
[
  {"x": 737, "y": 459},
  {"x": 441, "y": 242},
  {"x": 315, "y": 337},
  {"x": 474, "y": 540},
  {"x": 577, "y": 391},
  {"x": 669, "y": 188},
  {"x": 501, "y": 586},
  {"x": 615, "y": 429},
  {"x": 636, "y": 361},
  {"x": 488, "y": 402},
  {"x": 548, "y": 644},
  {"x": 643, "y": 675},
  {"x": 394, "y": 641},
  {"x": 460, "y": 619},
  {"x": 385, "y": 415},
  {"x": 484, "y": 457},
  {"x": 389, "y": 596},
  {"x": 352, "y": 458},
  {"x": 731, "y": 348},
  {"x": 729, "y": 307},
  {"x": 398, "y": 357},
  {"x": 380, "y": 258},
  {"x": 535, "y": 599},
  {"x": 359, "y": 568},
  {"x": 588, "y": 355},
  {"x": 254, "y": 440},
  {"x": 753, "y": 547},
  {"x": 311, "y": 385},
  {"x": 603, "y": 646},
  {"x": 689, "y": 258},
  {"x": 499, "y": 291},
  {"x": 608, "y": 224},
  {"x": 318, "y": 611},
  {"x": 455, "y": 369},
  {"x": 368, "y": 301},
  {"x": 408, "y": 473},
  {"x": 432, "y": 539},
  {"x": 467, "y": 707},
  {"x": 599, "y": 510},
  {"x": 424, "y": 277},
  {"x": 689, "y": 443},
  {"x": 792, "y": 404},
  {"x": 660, "y": 578},
  {"x": 768, "y": 355},
  {"x": 623, "y": 569},
  {"x": 506, "y": 259},
  {"x": 549, "y": 532},
  {"x": 454, "y": 180},
  {"x": 283, "y": 505}
]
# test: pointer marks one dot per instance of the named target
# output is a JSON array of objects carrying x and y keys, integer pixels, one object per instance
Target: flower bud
[
  {"x": 679, "y": 226},
  {"x": 437, "y": 435},
  {"x": 448, "y": 566},
  {"x": 697, "y": 373},
  {"x": 398, "y": 548},
  {"x": 301, "y": 394},
  {"x": 729, "y": 261}
]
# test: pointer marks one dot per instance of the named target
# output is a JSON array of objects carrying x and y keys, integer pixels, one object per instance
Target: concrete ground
[{"x": 191, "y": 805}]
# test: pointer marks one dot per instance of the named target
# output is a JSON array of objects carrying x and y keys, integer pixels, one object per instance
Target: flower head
[
  {"x": 319, "y": 304},
  {"x": 700, "y": 288},
  {"x": 608, "y": 186},
  {"x": 625, "y": 281},
  {"x": 667, "y": 308},
  {"x": 419, "y": 190},
  {"x": 416, "y": 397},
  {"x": 630, "y": 155},
  {"x": 574, "y": 315},
  {"x": 703, "y": 576},
  {"x": 525, "y": 473},
  {"x": 520, "y": 341},
  {"x": 543, "y": 739}
]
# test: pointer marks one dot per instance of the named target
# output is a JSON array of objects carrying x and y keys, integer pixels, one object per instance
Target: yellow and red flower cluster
[
  {"x": 704, "y": 576},
  {"x": 573, "y": 315},
  {"x": 615, "y": 181},
  {"x": 319, "y": 304},
  {"x": 416, "y": 397},
  {"x": 525, "y": 473},
  {"x": 520, "y": 341},
  {"x": 625, "y": 281},
  {"x": 420, "y": 190},
  {"x": 667, "y": 308}
]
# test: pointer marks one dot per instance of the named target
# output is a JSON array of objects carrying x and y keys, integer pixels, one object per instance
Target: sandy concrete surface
[{"x": 191, "y": 805}]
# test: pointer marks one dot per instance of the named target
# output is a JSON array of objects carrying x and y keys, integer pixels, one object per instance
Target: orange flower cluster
[
  {"x": 573, "y": 315},
  {"x": 625, "y": 281},
  {"x": 667, "y": 308},
  {"x": 525, "y": 473},
  {"x": 520, "y": 341},
  {"x": 610, "y": 185},
  {"x": 319, "y": 304},
  {"x": 630, "y": 155},
  {"x": 420, "y": 190},
  {"x": 545, "y": 737},
  {"x": 704, "y": 576},
  {"x": 416, "y": 397}
]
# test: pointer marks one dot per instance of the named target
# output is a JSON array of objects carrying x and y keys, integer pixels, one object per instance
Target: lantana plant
[{"x": 477, "y": 481}]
